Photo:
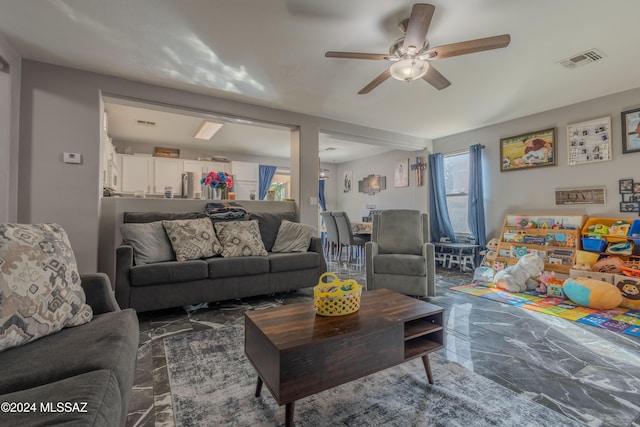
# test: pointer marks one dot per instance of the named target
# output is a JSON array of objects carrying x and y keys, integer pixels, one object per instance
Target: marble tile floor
[{"x": 589, "y": 374}]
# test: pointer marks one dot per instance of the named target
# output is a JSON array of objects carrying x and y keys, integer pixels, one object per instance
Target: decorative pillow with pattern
[
  {"x": 240, "y": 238},
  {"x": 192, "y": 238},
  {"x": 40, "y": 291}
]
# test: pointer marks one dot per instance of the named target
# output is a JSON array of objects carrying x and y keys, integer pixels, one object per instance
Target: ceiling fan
[{"x": 411, "y": 55}]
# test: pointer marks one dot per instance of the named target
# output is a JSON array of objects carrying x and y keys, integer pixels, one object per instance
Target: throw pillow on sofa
[
  {"x": 192, "y": 238},
  {"x": 293, "y": 237},
  {"x": 240, "y": 238},
  {"x": 149, "y": 241},
  {"x": 40, "y": 291}
]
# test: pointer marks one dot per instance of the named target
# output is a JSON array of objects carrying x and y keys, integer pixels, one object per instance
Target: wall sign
[{"x": 580, "y": 196}]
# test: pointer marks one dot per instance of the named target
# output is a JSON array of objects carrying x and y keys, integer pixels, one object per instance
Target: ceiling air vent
[
  {"x": 145, "y": 123},
  {"x": 583, "y": 58}
]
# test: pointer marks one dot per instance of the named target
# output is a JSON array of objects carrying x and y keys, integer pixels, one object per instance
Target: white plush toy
[{"x": 518, "y": 277}]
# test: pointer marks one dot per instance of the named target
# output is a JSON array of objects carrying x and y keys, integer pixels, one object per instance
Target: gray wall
[
  {"x": 355, "y": 203},
  {"x": 531, "y": 191},
  {"x": 60, "y": 111},
  {"x": 9, "y": 125}
]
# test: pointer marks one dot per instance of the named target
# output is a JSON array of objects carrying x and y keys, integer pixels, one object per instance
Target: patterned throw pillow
[
  {"x": 192, "y": 238},
  {"x": 240, "y": 238},
  {"x": 40, "y": 291}
]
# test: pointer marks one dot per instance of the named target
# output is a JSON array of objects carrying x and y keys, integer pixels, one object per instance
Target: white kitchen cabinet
[
  {"x": 245, "y": 179},
  {"x": 195, "y": 166},
  {"x": 217, "y": 167},
  {"x": 137, "y": 173},
  {"x": 167, "y": 173},
  {"x": 245, "y": 171}
]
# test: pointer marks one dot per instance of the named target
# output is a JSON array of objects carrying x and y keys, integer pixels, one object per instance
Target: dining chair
[
  {"x": 347, "y": 238},
  {"x": 331, "y": 241}
]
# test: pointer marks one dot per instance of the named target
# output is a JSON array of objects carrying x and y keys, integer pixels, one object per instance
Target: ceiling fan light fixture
[
  {"x": 409, "y": 69},
  {"x": 207, "y": 129},
  {"x": 324, "y": 174}
]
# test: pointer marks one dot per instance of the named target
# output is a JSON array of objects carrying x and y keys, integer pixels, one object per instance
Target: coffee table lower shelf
[{"x": 297, "y": 353}]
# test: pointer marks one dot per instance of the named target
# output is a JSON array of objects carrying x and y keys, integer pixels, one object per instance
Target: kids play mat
[{"x": 620, "y": 320}]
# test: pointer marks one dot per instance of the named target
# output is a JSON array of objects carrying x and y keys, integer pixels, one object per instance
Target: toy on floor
[
  {"x": 519, "y": 277},
  {"x": 545, "y": 278},
  {"x": 630, "y": 290},
  {"x": 483, "y": 275},
  {"x": 490, "y": 253},
  {"x": 592, "y": 293}
]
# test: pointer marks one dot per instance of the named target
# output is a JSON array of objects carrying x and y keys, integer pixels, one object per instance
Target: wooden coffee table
[{"x": 298, "y": 353}]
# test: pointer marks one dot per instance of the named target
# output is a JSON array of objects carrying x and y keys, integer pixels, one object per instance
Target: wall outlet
[
  {"x": 313, "y": 201},
  {"x": 75, "y": 158},
  {"x": 371, "y": 206}
]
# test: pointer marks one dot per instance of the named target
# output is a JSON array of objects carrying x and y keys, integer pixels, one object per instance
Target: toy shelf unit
[
  {"x": 612, "y": 236},
  {"x": 555, "y": 238}
]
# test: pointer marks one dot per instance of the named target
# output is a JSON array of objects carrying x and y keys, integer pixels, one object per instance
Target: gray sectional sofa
[
  {"x": 78, "y": 376},
  {"x": 160, "y": 285}
]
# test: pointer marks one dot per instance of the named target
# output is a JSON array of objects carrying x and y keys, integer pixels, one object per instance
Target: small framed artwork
[
  {"x": 528, "y": 151},
  {"x": 631, "y": 131},
  {"x": 636, "y": 187},
  {"x": 629, "y": 207},
  {"x": 401, "y": 174},
  {"x": 589, "y": 141},
  {"x": 348, "y": 180},
  {"x": 626, "y": 186}
]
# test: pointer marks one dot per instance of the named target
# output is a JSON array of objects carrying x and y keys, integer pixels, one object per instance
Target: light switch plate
[
  {"x": 75, "y": 158},
  {"x": 313, "y": 201}
]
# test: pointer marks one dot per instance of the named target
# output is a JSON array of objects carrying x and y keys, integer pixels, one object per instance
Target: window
[
  {"x": 280, "y": 185},
  {"x": 456, "y": 183}
]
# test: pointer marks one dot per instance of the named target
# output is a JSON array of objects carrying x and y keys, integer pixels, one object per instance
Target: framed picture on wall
[
  {"x": 589, "y": 141},
  {"x": 626, "y": 186},
  {"x": 631, "y": 131},
  {"x": 348, "y": 180},
  {"x": 401, "y": 174},
  {"x": 528, "y": 151}
]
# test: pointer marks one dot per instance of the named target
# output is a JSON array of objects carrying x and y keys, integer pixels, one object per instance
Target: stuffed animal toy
[
  {"x": 518, "y": 277},
  {"x": 545, "y": 277},
  {"x": 490, "y": 253}
]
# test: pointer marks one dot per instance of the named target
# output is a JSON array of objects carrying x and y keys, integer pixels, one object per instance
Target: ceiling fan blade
[
  {"x": 470, "y": 46},
  {"x": 375, "y": 82},
  {"x": 356, "y": 55},
  {"x": 435, "y": 79},
  {"x": 417, "y": 26}
]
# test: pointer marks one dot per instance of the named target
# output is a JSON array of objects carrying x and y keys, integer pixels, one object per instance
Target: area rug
[
  {"x": 620, "y": 320},
  {"x": 212, "y": 383}
]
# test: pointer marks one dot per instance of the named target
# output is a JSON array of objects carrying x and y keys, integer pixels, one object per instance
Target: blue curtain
[
  {"x": 440, "y": 222},
  {"x": 323, "y": 203},
  {"x": 476, "y": 196},
  {"x": 265, "y": 177}
]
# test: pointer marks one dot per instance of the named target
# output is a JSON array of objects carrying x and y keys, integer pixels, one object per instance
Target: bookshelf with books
[{"x": 555, "y": 238}]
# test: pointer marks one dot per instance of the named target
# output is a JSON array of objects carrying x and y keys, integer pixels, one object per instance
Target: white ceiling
[{"x": 271, "y": 53}]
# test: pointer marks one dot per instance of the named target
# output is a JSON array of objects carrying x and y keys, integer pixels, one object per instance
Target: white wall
[
  {"x": 9, "y": 125},
  {"x": 525, "y": 191},
  {"x": 355, "y": 203},
  {"x": 60, "y": 111}
]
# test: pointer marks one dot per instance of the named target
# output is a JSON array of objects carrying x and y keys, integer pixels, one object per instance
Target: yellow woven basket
[{"x": 338, "y": 297}]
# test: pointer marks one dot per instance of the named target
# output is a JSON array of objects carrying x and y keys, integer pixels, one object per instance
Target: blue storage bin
[
  {"x": 595, "y": 245},
  {"x": 634, "y": 232}
]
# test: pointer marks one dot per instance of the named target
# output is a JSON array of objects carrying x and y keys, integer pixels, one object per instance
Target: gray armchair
[{"x": 400, "y": 256}]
